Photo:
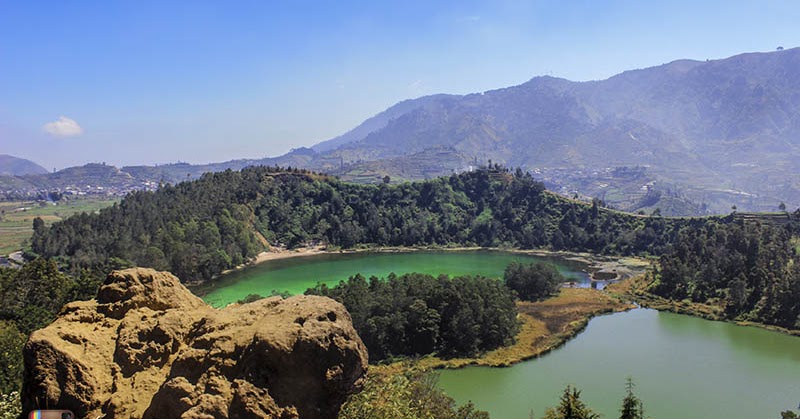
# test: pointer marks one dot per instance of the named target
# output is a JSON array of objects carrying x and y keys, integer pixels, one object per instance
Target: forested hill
[{"x": 198, "y": 229}]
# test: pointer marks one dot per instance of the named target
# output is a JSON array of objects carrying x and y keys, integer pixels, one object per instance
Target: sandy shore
[{"x": 287, "y": 254}]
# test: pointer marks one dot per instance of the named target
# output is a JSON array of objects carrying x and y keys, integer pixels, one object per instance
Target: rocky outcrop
[{"x": 147, "y": 347}]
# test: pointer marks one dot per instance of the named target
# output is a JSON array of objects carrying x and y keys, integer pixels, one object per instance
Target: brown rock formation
[{"x": 147, "y": 347}]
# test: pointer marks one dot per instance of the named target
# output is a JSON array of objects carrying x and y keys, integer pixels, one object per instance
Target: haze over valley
[{"x": 400, "y": 210}]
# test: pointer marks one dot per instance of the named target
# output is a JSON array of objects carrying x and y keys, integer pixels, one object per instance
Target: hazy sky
[{"x": 146, "y": 82}]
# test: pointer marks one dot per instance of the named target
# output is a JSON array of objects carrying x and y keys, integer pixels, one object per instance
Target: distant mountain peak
[{"x": 717, "y": 130}]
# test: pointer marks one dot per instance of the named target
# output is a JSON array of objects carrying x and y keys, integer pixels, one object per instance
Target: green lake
[
  {"x": 295, "y": 275},
  {"x": 682, "y": 366}
]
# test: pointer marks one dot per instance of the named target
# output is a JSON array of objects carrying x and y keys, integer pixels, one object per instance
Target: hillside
[
  {"x": 15, "y": 166},
  {"x": 198, "y": 229},
  {"x": 720, "y": 133}
]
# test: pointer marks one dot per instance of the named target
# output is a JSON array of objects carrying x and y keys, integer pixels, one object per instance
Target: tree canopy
[
  {"x": 533, "y": 281},
  {"x": 748, "y": 268},
  {"x": 418, "y": 314}
]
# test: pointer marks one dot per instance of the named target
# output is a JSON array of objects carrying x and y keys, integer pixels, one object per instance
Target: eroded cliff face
[{"x": 147, "y": 347}]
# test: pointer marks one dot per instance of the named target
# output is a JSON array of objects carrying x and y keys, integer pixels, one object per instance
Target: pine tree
[
  {"x": 632, "y": 407},
  {"x": 571, "y": 407}
]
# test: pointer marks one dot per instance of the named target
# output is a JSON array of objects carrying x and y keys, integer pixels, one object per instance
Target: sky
[{"x": 151, "y": 82}]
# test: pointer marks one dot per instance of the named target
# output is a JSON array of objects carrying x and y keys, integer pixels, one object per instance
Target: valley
[
  {"x": 371, "y": 230},
  {"x": 16, "y": 218},
  {"x": 400, "y": 210}
]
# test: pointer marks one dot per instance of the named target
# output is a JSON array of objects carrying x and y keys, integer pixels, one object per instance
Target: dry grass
[{"x": 635, "y": 289}]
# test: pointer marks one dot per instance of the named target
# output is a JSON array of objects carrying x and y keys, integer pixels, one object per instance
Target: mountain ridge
[
  {"x": 707, "y": 134},
  {"x": 704, "y": 126}
]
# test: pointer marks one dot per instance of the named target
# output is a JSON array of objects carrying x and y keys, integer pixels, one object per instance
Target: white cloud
[{"x": 63, "y": 127}]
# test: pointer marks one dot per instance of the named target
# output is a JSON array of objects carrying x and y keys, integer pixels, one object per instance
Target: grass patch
[{"x": 16, "y": 218}]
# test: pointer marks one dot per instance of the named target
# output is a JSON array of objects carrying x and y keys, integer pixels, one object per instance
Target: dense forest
[
  {"x": 418, "y": 314},
  {"x": 749, "y": 268},
  {"x": 198, "y": 229}
]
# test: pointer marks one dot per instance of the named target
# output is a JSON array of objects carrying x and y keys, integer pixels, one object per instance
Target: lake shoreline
[
  {"x": 634, "y": 290},
  {"x": 621, "y": 267}
]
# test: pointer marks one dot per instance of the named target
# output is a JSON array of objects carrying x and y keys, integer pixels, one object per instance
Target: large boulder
[{"x": 146, "y": 347}]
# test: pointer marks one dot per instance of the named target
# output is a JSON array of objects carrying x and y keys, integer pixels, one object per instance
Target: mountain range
[
  {"x": 718, "y": 132},
  {"x": 687, "y": 137}
]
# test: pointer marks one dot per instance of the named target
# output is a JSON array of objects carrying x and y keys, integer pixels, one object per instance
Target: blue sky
[{"x": 163, "y": 81}]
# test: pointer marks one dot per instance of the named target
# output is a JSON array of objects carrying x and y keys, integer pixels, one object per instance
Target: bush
[
  {"x": 411, "y": 395},
  {"x": 10, "y": 405},
  {"x": 11, "y": 341}
]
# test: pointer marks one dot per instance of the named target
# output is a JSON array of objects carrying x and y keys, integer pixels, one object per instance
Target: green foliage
[
  {"x": 11, "y": 341},
  {"x": 570, "y": 407},
  {"x": 194, "y": 229},
  {"x": 412, "y": 395},
  {"x": 533, "y": 281},
  {"x": 198, "y": 229},
  {"x": 10, "y": 405},
  {"x": 751, "y": 268},
  {"x": 30, "y": 298},
  {"x": 33, "y": 295},
  {"x": 632, "y": 407},
  {"x": 417, "y": 314},
  {"x": 788, "y": 414}
]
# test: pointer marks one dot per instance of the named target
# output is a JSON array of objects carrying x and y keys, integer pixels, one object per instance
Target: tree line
[
  {"x": 417, "y": 314},
  {"x": 747, "y": 268}
]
